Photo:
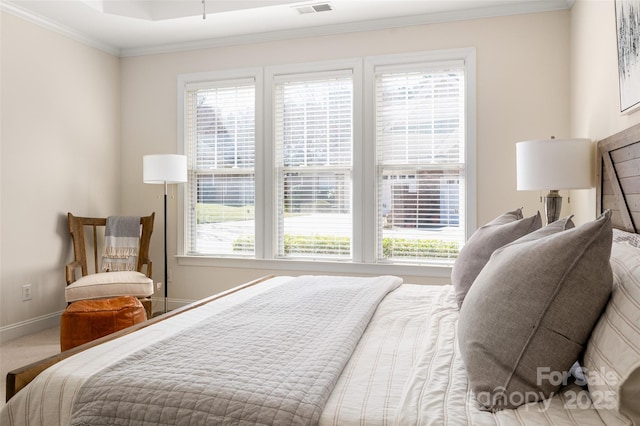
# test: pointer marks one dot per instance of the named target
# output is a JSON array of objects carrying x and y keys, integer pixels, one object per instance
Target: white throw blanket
[
  {"x": 121, "y": 243},
  {"x": 272, "y": 360}
]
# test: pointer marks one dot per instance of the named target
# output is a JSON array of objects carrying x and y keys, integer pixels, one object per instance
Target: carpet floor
[{"x": 25, "y": 350}]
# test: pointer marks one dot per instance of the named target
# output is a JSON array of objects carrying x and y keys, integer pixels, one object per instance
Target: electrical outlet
[{"x": 26, "y": 292}]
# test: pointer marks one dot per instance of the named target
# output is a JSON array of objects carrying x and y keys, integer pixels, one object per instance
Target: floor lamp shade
[
  {"x": 164, "y": 168},
  {"x": 554, "y": 164}
]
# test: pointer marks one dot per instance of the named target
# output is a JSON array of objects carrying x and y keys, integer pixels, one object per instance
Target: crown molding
[
  {"x": 533, "y": 6},
  {"x": 14, "y": 9}
]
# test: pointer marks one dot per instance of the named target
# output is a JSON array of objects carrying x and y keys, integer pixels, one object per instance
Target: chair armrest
[{"x": 70, "y": 270}]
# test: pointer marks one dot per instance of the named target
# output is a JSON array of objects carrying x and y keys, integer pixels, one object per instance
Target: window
[
  {"x": 420, "y": 141},
  {"x": 365, "y": 163},
  {"x": 220, "y": 139},
  {"x": 313, "y": 138}
]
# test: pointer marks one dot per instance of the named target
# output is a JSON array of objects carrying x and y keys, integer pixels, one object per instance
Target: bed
[{"x": 374, "y": 351}]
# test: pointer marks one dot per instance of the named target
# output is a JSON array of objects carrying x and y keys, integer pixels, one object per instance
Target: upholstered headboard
[{"x": 618, "y": 178}]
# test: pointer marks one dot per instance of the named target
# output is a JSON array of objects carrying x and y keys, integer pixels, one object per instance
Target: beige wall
[
  {"x": 595, "y": 105},
  {"x": 94, "y": 116},
  {"x": 522, "y": 93},
  {"x": 60, "y": 152}
]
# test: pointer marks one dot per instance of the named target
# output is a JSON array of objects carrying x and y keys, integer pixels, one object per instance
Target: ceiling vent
[{"x": 314, "y": 8}]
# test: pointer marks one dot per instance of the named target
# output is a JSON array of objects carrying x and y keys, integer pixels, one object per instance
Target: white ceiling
[{"x": 133, "y": 27}]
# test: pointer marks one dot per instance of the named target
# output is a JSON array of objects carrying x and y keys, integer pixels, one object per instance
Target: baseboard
[
  {"x": 22, "y": 328},
  {"x": 19, "y": 329},
  {"x": 158, "y": 303}
]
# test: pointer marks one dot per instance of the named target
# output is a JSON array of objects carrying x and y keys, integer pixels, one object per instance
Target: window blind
[
  {"x": 313, "y": 118},
  {"x": 420, "y": 140},
  {"x": 220, "y": 135}
]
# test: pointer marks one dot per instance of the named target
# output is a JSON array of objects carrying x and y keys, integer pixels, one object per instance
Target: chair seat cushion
[{"x": 109, "y": 284}]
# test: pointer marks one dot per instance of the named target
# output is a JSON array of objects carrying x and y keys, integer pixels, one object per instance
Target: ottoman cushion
[{"x": 87, "y": 320}]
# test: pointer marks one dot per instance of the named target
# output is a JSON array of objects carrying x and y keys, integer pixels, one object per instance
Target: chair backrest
[{"x": 84, "y": 243}]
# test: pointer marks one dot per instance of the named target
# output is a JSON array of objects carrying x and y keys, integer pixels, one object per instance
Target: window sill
[{"x": 317, "y": 266}]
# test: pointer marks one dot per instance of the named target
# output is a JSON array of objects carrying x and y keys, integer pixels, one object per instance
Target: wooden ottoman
[{"x": 87, "y": 320}]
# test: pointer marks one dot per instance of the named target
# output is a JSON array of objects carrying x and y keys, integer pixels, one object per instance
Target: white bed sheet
[{"x": 405, "y": 370}]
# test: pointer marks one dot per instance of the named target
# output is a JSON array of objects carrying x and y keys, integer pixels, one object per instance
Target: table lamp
[{"x": 554, "y": 164}]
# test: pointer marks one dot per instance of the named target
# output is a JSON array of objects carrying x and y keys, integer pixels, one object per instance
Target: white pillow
[
  {"x": 629, "y": 238},
  {"x": 109, "y": 284},
  {"x": 613, "y": 350}
]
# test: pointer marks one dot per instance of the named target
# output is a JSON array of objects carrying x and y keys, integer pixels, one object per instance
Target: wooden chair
[{"x": 85, "y": 243}]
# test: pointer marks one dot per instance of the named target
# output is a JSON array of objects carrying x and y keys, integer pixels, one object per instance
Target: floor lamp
[{"x": 164, "y": 169}]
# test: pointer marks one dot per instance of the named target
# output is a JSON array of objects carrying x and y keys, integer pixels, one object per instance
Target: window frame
[
  {"x": 364, "y": 257},
  {"x": 346, "y": 69},
  {"x": 381, "y": 67},
  {"x": 404, "y": 60},
  {"x": 270, "y": 76},
  {"x": 185, "y": 80}
]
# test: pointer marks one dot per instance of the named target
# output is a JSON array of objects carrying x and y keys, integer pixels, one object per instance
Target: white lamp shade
[
  {"x": 554, "y": 164},
  {"x": 164, "y": 168}
]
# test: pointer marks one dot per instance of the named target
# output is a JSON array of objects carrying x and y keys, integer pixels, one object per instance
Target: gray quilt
[{"x": 273, "y": 360}]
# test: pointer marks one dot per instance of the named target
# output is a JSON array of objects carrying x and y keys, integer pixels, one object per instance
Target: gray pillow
[
  {"x": 630, "y": 395},
  {"x": 529, "y": 313},
  {"x": 552, "y": 228},
  {"x": 476, "y": 252}
]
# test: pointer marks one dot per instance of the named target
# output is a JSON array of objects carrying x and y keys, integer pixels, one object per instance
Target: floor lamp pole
[
  {"x": 165, "y": 169},
  {"x": 166, "y": 275}
]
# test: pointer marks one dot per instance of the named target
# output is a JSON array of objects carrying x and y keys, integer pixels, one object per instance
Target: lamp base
[{"x": 552, "y": 205}]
